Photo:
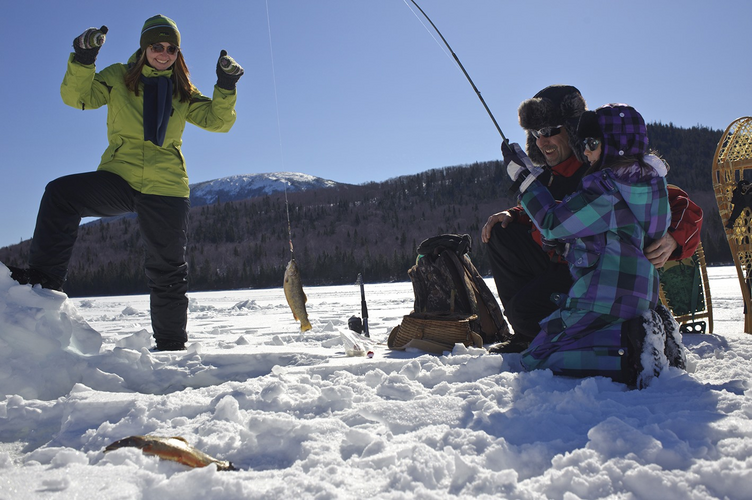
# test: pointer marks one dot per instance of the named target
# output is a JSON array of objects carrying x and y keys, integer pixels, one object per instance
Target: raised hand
[
  {"x": 228, "y": 71},
  {"x": 88, "y": 43}
]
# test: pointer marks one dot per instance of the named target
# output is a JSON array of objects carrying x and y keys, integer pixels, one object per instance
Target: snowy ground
[{"x": 303, "y": 420}]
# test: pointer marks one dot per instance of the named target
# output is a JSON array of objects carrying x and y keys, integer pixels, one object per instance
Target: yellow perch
[
  {"x": 296, "y": 298},
  {"x": 176, "y": 449}
]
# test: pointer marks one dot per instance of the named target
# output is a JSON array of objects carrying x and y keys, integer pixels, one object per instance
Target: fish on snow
[{"x": 176, "y": 449}]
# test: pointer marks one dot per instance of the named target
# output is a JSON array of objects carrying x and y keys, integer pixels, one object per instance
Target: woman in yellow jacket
[{"x": 149, "y": 100}]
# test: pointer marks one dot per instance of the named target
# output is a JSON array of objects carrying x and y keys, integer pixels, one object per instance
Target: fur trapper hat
[
  {"x": 621, "y": 128},
  {"x": 555, "y": 105}
]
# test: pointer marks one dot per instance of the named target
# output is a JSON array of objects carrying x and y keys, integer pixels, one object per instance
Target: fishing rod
[
  {"x": 457, "y": 59},
  {"x": 356, "y": 324},
  {"x": 363, "y": 307}
]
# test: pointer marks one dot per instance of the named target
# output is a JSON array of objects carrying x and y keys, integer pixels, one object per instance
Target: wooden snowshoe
[{"x": 732, "y": 166}]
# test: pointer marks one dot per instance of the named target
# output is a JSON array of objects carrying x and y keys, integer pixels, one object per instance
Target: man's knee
[
  {"x": 502, "y": 237},
  {"x": 524, "y": 320}
]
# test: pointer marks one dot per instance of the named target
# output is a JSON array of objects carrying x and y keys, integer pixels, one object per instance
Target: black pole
[
  {"x": 465, "y": 72},
  {"x": 363, "y": 307}
]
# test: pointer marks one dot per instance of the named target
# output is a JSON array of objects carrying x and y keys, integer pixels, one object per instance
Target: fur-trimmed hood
[{"x": 555, "y": 105}]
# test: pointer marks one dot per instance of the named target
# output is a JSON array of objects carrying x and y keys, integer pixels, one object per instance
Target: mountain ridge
[{"x": 246, "y": 186}]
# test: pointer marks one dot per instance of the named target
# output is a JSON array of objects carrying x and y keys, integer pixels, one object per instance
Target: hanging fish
[
  {"x": 176, "y": 449},
  {"x": 296, "y": 298}
]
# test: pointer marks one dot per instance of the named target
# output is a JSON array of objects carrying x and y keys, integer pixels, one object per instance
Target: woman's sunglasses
[
  {"x": 546, "y": 131},
  {"x": 591, "y": 143},
  {"x": 171, "y": 49}
]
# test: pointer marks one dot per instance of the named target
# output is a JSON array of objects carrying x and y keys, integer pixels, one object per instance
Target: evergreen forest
[{"x": 339, "y": 232}]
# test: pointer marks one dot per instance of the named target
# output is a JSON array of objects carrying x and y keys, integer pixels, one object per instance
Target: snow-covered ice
[{"x": 302, "y": 419}]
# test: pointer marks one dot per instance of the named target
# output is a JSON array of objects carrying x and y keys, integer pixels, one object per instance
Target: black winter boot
[
  {"x": 644, "y": 339},
  {"x": 513, "y": 344},
  {"x": 34, "y": 277},
  {"x": 170, "y": 345}
]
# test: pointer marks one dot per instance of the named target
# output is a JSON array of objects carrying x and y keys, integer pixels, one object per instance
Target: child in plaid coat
[{"x": 601, "y": 229}]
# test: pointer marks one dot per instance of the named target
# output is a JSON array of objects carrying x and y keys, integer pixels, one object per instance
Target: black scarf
[{"x": 157, "y": 108}]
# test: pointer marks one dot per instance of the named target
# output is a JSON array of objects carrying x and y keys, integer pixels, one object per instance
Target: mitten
[
  {"x": 88, "y": 43},
  {"x": 558, "y": 246},
  {"x": 228, "y": 71},
  {"x": 519, "y": 167}
]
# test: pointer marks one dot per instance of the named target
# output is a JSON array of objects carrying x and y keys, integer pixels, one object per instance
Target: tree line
[{"x": 337, "y": 233}]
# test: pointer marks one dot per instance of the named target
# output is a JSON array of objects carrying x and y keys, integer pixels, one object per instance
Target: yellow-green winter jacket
[{"x": 148, "y": 168}]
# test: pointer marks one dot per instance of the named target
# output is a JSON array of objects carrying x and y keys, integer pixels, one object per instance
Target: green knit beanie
[{"x": 159, "y": 29}]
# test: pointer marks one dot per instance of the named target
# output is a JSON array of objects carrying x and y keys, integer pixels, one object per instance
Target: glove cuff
[
  {"x": 225, "y": 81},
  {"x": 85, "y": 56},
  {"x": 531, "y": 176},
  {"x": 526, "y": 183}
]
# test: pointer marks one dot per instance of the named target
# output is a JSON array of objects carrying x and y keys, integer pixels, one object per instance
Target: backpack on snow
[{"x": 445, "y": 282}]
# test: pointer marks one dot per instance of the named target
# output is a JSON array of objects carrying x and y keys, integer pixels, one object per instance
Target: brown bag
[
  {"x": 434, "y": 332},
  {"x": 446, "y": 281}
]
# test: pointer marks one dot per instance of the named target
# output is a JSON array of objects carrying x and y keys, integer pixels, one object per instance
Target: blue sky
[{"x": 363, "y": 90}]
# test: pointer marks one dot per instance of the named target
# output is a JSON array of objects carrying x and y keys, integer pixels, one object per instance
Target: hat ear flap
[
  {"x": 533, "y": 152},
  {"x": 588, "y": 125}
]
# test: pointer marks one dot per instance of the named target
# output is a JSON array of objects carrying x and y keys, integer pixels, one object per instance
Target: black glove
[
  {"x": 228, "y": 71},
  {"x": 88, "y": 43}
]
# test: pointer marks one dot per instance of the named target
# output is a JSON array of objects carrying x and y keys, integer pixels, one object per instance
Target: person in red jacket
[{"x": 527, "y": 270}]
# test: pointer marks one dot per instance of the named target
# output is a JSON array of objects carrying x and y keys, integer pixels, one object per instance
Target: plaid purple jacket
[{"x": 607, "y": 223}]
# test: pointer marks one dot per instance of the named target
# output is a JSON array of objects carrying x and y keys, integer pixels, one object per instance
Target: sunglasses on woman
[
  {"x": 546, "y": 131},
  {"x": 171, "y": 49},
  {"x": 591, "y": 143}
]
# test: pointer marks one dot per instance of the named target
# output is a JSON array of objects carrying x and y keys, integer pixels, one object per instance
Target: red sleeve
[
  {"x": 519, "y": 215},
  {"x": 686, "y": 221}
]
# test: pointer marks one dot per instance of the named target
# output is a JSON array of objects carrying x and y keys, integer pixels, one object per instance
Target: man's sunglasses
[
  {"x": 591, "y": 143},
  {"x": 171, "y": 49},
  {"x": 546, "y": 131}
]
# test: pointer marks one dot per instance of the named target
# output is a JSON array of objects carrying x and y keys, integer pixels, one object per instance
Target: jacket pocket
[
  {"x": 583, "y": 258},
  {"x": 112, "y": 149},
  {"x": 586, "y": 253},
  {"x": 179, "y": 154}
]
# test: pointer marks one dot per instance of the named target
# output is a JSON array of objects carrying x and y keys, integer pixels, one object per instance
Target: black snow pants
[
  {"x": 163, "y": 223},
  {"x": 525, "y": 277}
]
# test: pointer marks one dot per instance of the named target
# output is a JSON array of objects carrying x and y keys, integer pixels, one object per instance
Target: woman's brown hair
[
  {"x": 181, "y": 77},
  {"x": 626, "y": 162}
]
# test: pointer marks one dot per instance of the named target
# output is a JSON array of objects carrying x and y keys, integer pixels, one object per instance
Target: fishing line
[
  {"x": 457, "y": 59},
  {"x": 279, "y": 126},
  {"x": 289, "y": 228},
  {"x": 428, "y": 30}
]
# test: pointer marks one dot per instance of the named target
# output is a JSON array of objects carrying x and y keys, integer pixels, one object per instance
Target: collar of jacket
[
  {"x": 150, "y": 72},
  {"x": 147, "y": 70},
  {"x": 568, "y": 167}
]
